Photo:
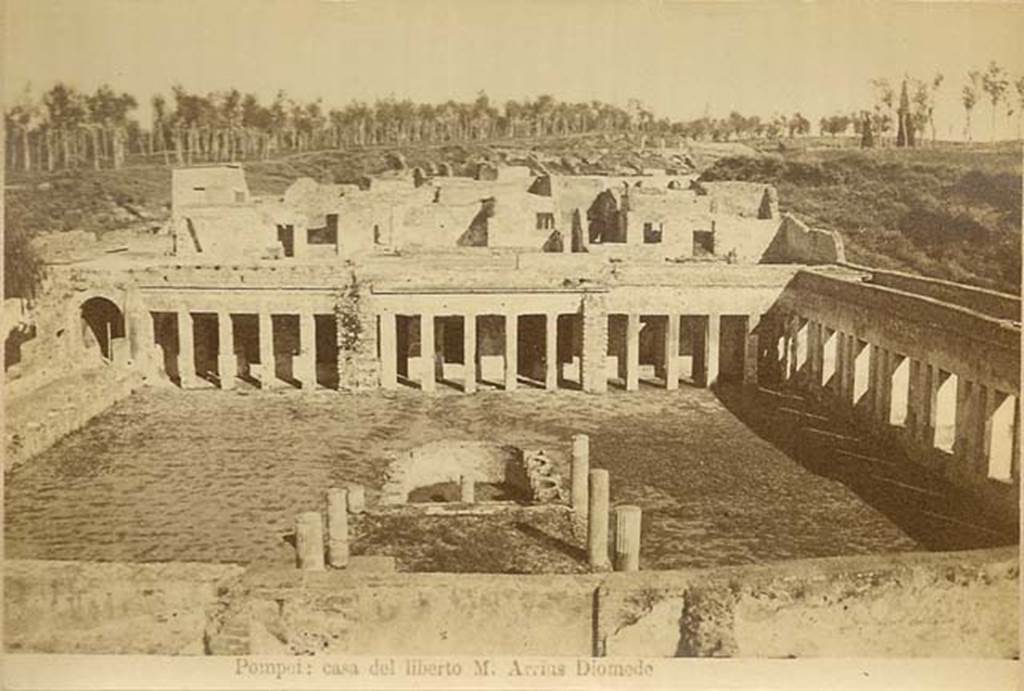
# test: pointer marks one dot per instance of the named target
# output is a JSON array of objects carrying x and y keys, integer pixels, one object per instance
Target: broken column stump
[
  {"x": 467, "y": 490},
  {"x": 337, "y": 528},
  {"x": 309, "y": 541},
  {"x": 627, "y": 538},
  {"x": 356, "y": 499},
  {"x": 597, "y": 521}
]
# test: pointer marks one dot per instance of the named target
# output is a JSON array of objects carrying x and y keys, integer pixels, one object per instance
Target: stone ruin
[{"x": 432, "y": 472}]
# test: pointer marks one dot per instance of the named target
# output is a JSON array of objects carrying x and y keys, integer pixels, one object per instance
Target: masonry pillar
[
  {"x": 511, "y": 351},
  {"x": 711, "y": 356},
  {"x": 227, "y": 362},
  {"x": 268, "y": 378},
  {"x": 388, "y": 351},
  {"x": 672, "y": 353},
  {"x": 300, "y": 243},
  {"x": 186, "y": 350},
  {"x": 884, "y": 395},
  {"x": 428, "y": 372},
  {"x": 914, "y": 405},
  {"x": 551, "y": 352},
  {"x": 594, "y": 355},
  {"x": 750, "y": 351},
  {"x": 632, "y": 351},
  {"x": 305, "y": 363},
  {"x": 931, "y": 395},
  {"x": 597, "y": 521},
  {"x": 469, "y": 353},
  {"x": 146, "y": 353}
]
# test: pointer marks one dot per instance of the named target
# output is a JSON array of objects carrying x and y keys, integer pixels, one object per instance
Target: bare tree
[
  {"x": 995, "y": 84},
  {"x": 969, "y": 97}
]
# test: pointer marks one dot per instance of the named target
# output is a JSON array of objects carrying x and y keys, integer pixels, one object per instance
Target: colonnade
[
  {"x": 933, "y": 409},
  {"x": 592, "y": 351},
  {"x": 264, "y": 369}
]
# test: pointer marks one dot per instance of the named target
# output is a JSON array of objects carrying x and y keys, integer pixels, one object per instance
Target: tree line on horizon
[{"x": 67, "y": 128}]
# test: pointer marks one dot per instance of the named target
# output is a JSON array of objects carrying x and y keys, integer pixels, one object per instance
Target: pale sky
[{"x": 678, "y": 57}]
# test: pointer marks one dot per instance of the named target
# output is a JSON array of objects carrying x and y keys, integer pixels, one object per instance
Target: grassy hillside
[{"x": 952, "y": 212}]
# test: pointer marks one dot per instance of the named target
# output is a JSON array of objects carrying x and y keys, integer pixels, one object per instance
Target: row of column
[
  {"x": 593, "y": 352},
  {"x": 304, "y": 363},
  {"x": 937, "y": 409}
]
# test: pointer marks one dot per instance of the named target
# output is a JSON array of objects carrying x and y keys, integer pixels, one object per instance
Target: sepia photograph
[{"x": 372, "y": 344}]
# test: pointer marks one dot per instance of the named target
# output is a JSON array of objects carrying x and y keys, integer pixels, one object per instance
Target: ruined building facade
[{"x": 514, "y": 282}]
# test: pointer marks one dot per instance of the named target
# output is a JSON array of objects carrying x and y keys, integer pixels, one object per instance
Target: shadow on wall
[{"x": 476, "y": 235}]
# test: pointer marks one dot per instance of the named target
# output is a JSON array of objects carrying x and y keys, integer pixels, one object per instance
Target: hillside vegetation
[{"x": 952, "y": 212}]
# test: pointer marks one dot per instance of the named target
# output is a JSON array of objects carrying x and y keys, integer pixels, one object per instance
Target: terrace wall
[{"x": 920, "y": 604}]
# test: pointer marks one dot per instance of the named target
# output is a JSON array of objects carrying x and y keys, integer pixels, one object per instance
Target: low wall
[
  {"x": 37, "y": 419},
  {"x": 920, "y": 604},
  {"x": 989, "y": 302},
  {"x": 954, "y": 604},
  {"x": 89, "y": 607}
]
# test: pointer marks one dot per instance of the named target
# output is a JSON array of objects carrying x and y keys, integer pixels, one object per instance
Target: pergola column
[
  {"x": 428, "y": 375},
  {"x": 551, "y": 352},
  {"x": 672, "y": 353},
  {"x": 511, "y": 351},
  {"x": 227, "y": 362},
  {"x": 711, "y": 356},
  {"x": 305, "y": 365},
  {"x": 750, "y": 351},
  {"x": 186, "y": 349},
  {"x": 268, "y": 378},
  {"x": 632, "y": 351},
  {"x": 388, "y": 350},
  {"x": 469, "y": 372}
]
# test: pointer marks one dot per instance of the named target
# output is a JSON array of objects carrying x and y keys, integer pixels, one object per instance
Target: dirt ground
[{"x": 220, "y": 476}]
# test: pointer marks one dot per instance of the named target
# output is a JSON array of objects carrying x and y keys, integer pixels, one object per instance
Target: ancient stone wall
[
  {"x": 918, "y": 604},
  {"x": 796, "y": 243},
  {"x": 92, "y": 607}
]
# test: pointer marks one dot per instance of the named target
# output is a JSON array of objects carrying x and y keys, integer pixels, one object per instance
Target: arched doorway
[{"x": 102, "y": 326}]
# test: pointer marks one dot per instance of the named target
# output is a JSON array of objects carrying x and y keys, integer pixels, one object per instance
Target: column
[
  {"x": 884, "y": 397},
  {"x": 268, "y": 365},
  {"x": 964, "y": 394},
  {"x": 580, "y": 473},
  {"x": 931, "y": 395},
  {"x": 309, "y": 541},
  {"x": 874, "y": 376},
  {"x": 914, "y": 403},
  {"x": 627, "y": 538},
  {"x": 551, "y": 352},
  {"x": 186, "y": 350},
  {"x": 148, "y": 355},
  {"x": 711, "y": 358},
  {"x": 305, "y": 365},
  {"x": 227, "y": 362},
  {"x": 672, "y": 353},
  {"x": 388, "y": 351},
  {"x": 511, "y": 351},
  {"x": 469, "y": 353},
  {"x": 632, "y": 351},
  {"x": 337, "y": 527},
  {"x": 428, "y": 379},
  {"x": 597, "y": 521},
  {"x": 751, "y": 350},
  {"x": 594, "y": 355}
]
